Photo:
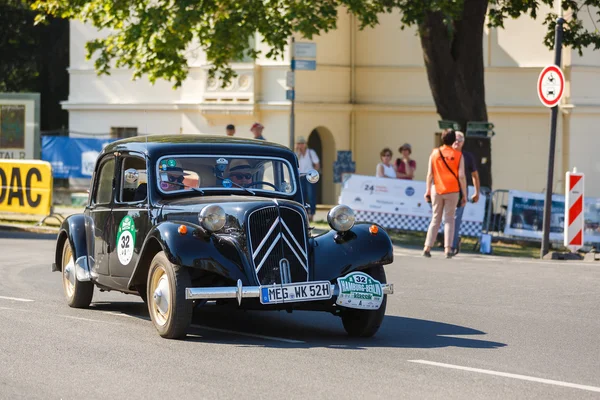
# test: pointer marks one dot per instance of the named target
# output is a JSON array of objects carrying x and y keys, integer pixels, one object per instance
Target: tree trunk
[{"x": 453, "y": 54}]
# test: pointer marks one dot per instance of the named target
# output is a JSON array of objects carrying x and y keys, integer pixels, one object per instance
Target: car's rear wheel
[
  {"x": 171, "y": 313},
  {"x": 365, "y": 323},
  {"x": 79, "y": 294}
]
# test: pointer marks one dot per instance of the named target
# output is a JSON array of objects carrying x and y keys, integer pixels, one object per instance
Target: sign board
[
  {"x": 304, "y": 65},
  {"x": 482, "y": 129},
  {"x": 290, "y": 94},
  {"x": 525, "y": 216},
  {"x": 343, "y": 165},
  {"x": 72, "y": 157},
  {"x": 19, "y": 126},
  {"x": 399, "y": 204},
  {"x": 551, "y": 85},
  {"x": 290, "y": 79},
  {"x": 574, "y": 211},
  {"x": 25, "y": 186},
  {"x": 447, "y": 124},
  {"x": 305, "y": 50}
]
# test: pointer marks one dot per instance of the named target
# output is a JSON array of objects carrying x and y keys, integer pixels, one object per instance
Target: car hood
[{"x": 236, "y": 207}]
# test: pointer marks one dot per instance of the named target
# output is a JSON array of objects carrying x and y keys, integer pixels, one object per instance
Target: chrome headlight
[
  {"x": 212, "y": 218},
  {"x": 341, "y": 218}
]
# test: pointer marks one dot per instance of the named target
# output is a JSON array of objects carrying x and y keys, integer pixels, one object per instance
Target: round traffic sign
[{"x": 551, "y": 85}]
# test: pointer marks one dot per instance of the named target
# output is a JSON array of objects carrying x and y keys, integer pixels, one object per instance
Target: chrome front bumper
[{"x": 239, "y": 292}]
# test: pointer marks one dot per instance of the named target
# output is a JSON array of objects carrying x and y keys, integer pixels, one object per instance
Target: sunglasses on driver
[
  {"x": 175, "y": 178},
  {"x": 241, "y": 176}
]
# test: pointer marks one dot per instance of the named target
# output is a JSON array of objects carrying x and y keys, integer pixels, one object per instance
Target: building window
[{"x": 123, "y": 132}]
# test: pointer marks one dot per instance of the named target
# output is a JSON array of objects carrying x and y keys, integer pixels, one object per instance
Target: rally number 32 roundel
[{"x": 126, "y": 240}]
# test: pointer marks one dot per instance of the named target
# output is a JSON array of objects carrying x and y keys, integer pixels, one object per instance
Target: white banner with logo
[
  {"x": 525, "y": 216},
  {"x": 399, "y": 204}
]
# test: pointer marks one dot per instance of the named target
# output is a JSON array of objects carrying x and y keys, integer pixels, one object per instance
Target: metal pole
[
  {"x": 292, "y": 111},
  {"x": 548, "y": 200}
]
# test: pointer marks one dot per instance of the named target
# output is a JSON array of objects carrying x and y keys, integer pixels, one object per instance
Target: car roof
[{"x": 157, "y": 145}]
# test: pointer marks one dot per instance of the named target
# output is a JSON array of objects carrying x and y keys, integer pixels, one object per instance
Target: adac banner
[
  {"x": 72, "y": 157},
  {"x": 26, "y": 186},
  {"x": 525, "y": 216}
]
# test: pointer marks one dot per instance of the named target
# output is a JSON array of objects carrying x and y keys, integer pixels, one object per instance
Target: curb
[{"x": 28, "y": 228}]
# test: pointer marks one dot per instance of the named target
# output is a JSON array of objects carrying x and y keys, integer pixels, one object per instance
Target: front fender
[
  {"x": 337, "y": 255},
  {"x": 73, "y": 229},
  {"x": 196, "y": 249}
]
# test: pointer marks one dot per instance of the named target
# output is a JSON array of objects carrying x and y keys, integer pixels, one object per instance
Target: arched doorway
[{"x": 322, "y": 142}]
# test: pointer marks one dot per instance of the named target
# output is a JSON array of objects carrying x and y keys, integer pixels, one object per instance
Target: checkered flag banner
[{"x": 413, "y": 223}]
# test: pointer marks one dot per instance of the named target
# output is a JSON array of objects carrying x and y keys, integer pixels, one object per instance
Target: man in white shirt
[{"x": 307, "y": 160}]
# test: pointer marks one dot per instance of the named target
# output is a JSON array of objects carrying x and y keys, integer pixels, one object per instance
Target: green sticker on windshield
[
  {"x": 126, "y": 240},
  {"x": 171, "y": 163}
]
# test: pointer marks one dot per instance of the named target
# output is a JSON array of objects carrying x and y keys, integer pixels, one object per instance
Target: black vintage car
[{"x": 183, "y": 220}]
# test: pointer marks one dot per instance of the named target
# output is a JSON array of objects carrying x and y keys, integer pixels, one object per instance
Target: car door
[
  {"x": 131, "y": 214},
  {"x": 99, "y": 211}
]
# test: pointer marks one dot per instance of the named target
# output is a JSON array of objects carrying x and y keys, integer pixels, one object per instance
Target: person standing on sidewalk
[
  {"x": 230, "y": 130},
  {"x": 446, "y": 171},
  {"x": 257, "y": 130},
  {"x": 307, "y": 160},
  {"x": 472, "y": 178},
  {"x": 405, "y": 166}
]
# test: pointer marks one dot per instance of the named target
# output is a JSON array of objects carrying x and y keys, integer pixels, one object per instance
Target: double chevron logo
[{"x": 279, "y": 234}]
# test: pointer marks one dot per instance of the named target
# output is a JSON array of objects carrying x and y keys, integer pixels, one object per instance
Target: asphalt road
[{"x": 468, "y": 327}]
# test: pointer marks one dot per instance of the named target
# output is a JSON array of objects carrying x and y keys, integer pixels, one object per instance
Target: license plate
[{"x": 293, "y": 292}]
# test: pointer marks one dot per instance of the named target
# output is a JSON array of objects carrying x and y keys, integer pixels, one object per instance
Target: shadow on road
[
  {"x": 16, "y": 234},
  {"x": 314, "y": 329}
]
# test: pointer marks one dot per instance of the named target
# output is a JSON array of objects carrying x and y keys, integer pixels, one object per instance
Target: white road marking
[
  {"x": 247, "y": 334},
  {"x": 15, "y": 299},
  {"x": 88, "y": 319},
  {"x": 118, "y": 314},
  {"x": 509, "y": 375}
]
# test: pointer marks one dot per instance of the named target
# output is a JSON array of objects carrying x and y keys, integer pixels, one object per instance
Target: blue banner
[{"x": 72, "y": 157}]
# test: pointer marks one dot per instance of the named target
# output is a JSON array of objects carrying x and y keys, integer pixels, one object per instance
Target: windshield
[{"x": 251, "y": 174}]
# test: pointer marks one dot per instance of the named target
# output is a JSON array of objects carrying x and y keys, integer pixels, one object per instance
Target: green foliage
[
  {"x": 154, "y": 37},
  {"x": 18, "y": 44},
  {"x": 574, "y": 11}
]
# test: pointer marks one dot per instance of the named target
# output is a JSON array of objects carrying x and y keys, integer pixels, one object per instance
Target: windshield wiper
[{"x": 238, "y": 185}]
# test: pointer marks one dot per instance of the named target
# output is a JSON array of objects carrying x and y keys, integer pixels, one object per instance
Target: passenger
[{"x": 240, "y": 172}]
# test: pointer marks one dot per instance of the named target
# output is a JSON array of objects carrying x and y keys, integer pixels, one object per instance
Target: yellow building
[{"x": 369, "y": 91}]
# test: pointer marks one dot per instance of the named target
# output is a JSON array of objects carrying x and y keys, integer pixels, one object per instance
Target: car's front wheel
[
  {"x": 171, "y": 313},
  {"x": 79, "y": 294},
  {"x": 365, "y": 323}
]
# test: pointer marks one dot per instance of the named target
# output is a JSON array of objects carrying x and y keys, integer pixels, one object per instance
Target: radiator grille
[{"x": 275, "y": 234}]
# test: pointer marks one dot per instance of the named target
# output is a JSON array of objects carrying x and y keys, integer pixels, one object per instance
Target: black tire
[
  {"x": 365, "y": 323},
  {"x": 171, "y": 319},
  {"x": 79, "y": 294}
]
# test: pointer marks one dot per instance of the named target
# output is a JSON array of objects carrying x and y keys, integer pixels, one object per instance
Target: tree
[
  {"x": 152, "y": 37},
  {"x": 35, "y": 59}
]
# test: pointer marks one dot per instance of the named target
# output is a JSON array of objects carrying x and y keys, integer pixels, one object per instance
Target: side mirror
[
  {"x": 312, "y": 176},
  {"x": 131, "y": 175}
]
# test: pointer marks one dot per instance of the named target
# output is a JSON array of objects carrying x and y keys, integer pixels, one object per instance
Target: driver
[
  {"x": 240, "y": 172},
  {"x": 174, "y": 179}
]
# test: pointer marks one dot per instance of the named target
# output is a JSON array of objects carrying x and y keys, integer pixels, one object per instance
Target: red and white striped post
[{"x": 574, "y": 207}]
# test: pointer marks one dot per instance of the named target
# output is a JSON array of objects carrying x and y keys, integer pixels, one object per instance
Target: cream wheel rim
[
  {"x": 68, "y": 272},
  {"x": 160, "y": 293}
]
